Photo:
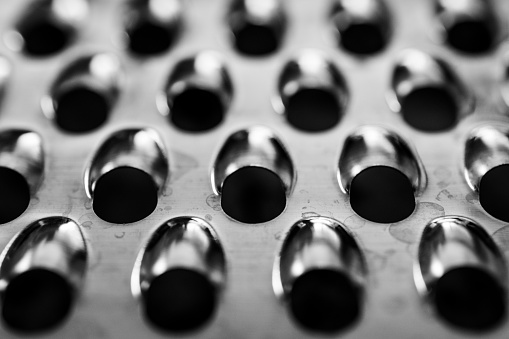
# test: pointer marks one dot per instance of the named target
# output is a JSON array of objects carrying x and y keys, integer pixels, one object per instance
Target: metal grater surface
[{"x": 190, "y": 167}]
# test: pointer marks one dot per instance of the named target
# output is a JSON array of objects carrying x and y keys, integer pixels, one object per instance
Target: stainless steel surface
[{"x": 248, "y": 306}]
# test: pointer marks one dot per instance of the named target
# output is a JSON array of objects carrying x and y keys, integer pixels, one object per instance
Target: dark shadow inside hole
[
  {"x": 325, "y": 300},
  {"x": 313, "y": 110},
  {"x": 430, "y": 109},
  {"x": 363, "y": 38},
  {"x": 196, "y": 110},
  {"x": 147, "y": 38},
  {"x": 256, "y": 40},
  {"x": 44, "y": 37},
  {"x": 36, "y": 300},
  {"x": 124, "y": 195},
  {"x": 471, "y": 36},
  {"x": 80, "y": 110},
  {"x": 494, "y": 192},
  {"x": 253, "y": 195},
  {"x": 470, "y": 298},
  {"x": 180, "y": 300},
  {"x": 382, "y": 194},
  {"x": 14, "y": 194}
]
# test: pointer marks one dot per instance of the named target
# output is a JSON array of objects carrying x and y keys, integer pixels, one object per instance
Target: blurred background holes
[
  {"x": 364, "y": 27},
  {"x": 494, "y": 192},
  {"x": 81, "y": 110},
  {"x": 82, "y": 96},
  {"x": 253, "y": 195},
  {"x": 124, "y": 195},
  {"x": 430, "y": 109},
  {"x": 47, "y": 27},
  {"x": 313, "y": 110},
  {"x": 198, "y": 93},
  {"x": 470, "y": 298},
  {"x": 152, "y": 25},
  {"x": 312, "y": 92},
  {"x": 325, "y": 300},
  {"x": 197, "y": 110},
  {"x": 14, "y": 194},
  {"x": 44, "y": 37},
  {"x": 382, "y": 194},
  {"x": 427, "y": 93},
  {"x": 36, "y": 300},
  {"x": 180, "y": 300},
  {"x": 469, "y": 26},
  {"x": 257, "y": 26}
]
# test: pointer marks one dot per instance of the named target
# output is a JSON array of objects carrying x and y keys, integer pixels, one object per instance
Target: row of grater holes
[{"x": 259, "y": 31}]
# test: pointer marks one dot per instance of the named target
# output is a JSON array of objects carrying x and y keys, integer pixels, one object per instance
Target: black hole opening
[
  {"x": 36, "y": 300},
  {"x": 253, "y": 195},
  {"x": 313, "y": 110},
  {"x": 470, "y": 298},
  {"x": 81, "y": 110},
  {"x": 14, "y": 194},
  {"x": 382, "y": 194},
  {"x": 196, "y": 110},
  {"x": 256, "y": 40},
  {"x": 363, "y": 39},
  {"x": 44, "y": 37},
  {"x": 180, "y": 300},
  {"x": 494, "y": 192},
  {"x": 474, "y": 37},
  {"x": 430, "y": 109},
  {"x": 147, "y": 38},
  {"x": 124, "y": 195},
  {"x": 325, "y": 300}
]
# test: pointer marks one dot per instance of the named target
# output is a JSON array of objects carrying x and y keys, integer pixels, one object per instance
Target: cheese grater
[{"x": 254, "y": 168}]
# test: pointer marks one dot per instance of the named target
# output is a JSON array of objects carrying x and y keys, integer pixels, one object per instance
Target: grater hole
[
  {"x": 256, "y": 40},
  {"x": 382, "y": 194},
  {"x": 253, "y": 195},
  {"x": 124, "y": 195},
  {"x": 36, "y": 300},
  {"x": 81, "y": 110},
  {"x": 148, "y": 38},
  {"x": 430, "y": 109},
  {"x": 363, "y": 38},
  {"x": 44, "y": 37},
  {"x": 313, "y": 110},
  {"x": 470, "y": 298},
  {"x": 180, "y": 300},
  {"x": 196, "y": 110},
  {"x": 493, "y": 193},
  {"x": 324, "y": 300},
  {"x": 471, "y": 36},
  {"x": 14, "y": 195}
]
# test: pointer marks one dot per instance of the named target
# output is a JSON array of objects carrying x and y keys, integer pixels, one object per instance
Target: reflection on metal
[
  {"x": 22, "y": 151},
  {"x": 100, "y": 73},
  {"x": 54, "y": 243},
  {"x": 65, "y": 14},
  {"x": 486, "y": 147},
  {"x": 348, "y": 13},
  {"x": 255, "y": 146},
  {"x": 183, "y": 242},
  {"x": 309, "y": 70},
  {"x": 452, "y": 242},
  {"x": 317, "y": 243},
  {"x": 205, "y": 71},
  {"x": 138, "y": 148},
  {"x": 415, "y": 70},
  {"x": 375, "y": 146},
  {"x": 454, "y": 12}
]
